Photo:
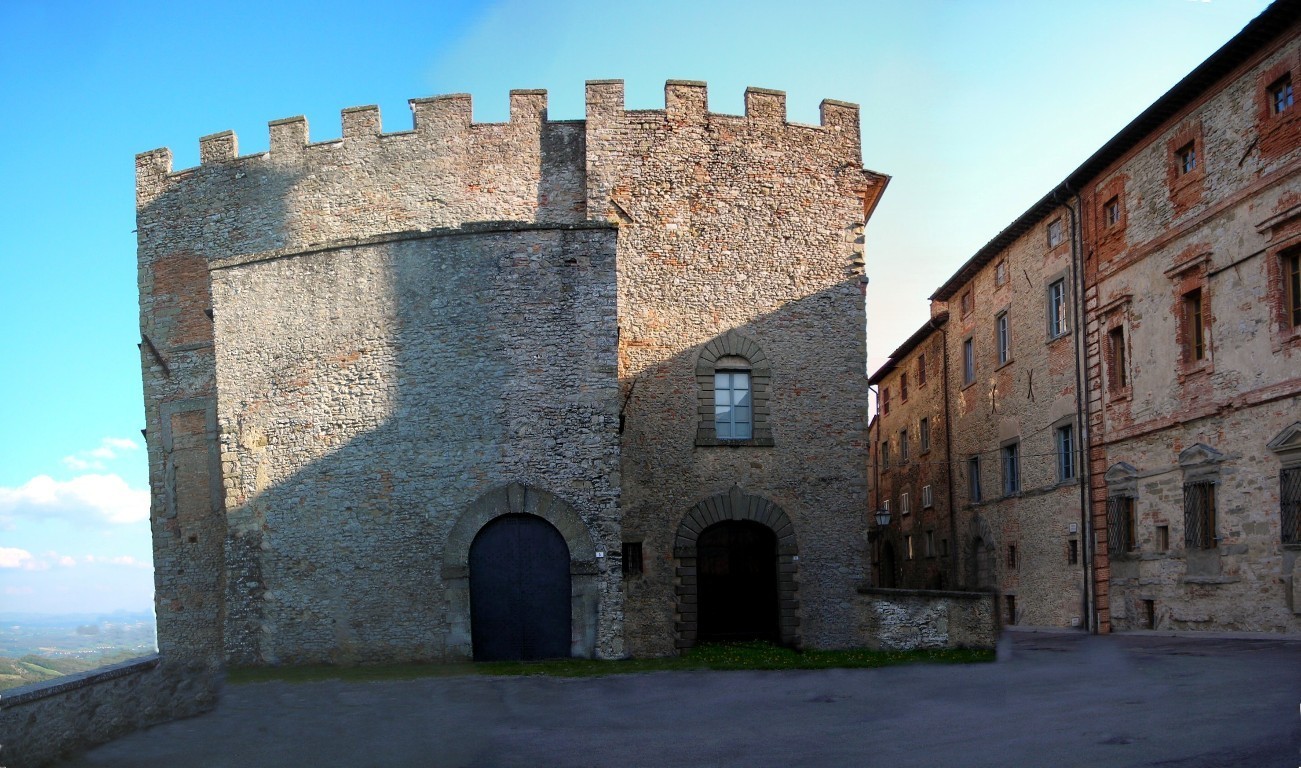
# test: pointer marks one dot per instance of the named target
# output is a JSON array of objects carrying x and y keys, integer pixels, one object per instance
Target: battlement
[{"x": 447, "y": 116}]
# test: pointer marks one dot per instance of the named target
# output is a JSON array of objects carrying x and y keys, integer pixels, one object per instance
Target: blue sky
[{"x": 975, "y": 108}]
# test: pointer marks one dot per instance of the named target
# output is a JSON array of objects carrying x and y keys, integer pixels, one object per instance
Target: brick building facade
[
  {"x": 1174, "y": 249},
  {"x": 401, "y": 388}
]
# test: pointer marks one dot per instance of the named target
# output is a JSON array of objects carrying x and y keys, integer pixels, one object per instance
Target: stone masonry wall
[
  {"x": 741, "y": 230},
  {"x": 912, "y": 619},
  {"x": 1023, "y": 401}
]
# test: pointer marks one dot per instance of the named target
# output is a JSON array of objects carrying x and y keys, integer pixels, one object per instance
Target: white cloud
[
  {"x": 93, "y": 497},
  {"x": 125, "y": 560},
  {"x": 13, "y": 557},
  {"x": 108, "y": 449}
]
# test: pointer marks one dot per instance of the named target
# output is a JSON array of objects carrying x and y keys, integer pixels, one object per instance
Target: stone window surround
[
  {"x": 1287, "y": 446},
  {"x": 1122, "y": 481},
  {"x": 1200, "y": 463},
  {"x": 736, "y": 504},
  {"x": 1113, "y": 315},
  {"x": 1184, "y": 189},
  {"x": 732, "y": 344}
]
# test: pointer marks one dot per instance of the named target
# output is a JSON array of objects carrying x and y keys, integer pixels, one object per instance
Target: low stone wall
[
  {"x": 908, "y": 619},
  {"x": 44, "y": 722}
]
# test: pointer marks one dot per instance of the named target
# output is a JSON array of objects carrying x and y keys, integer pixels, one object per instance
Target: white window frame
[
  {"x": 728, "y": 421},
  {"x": 927, "y": 499}
]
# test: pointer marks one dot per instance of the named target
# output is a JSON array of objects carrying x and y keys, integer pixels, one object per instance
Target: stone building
[
  {"x": 536, "y": 388},
  {"x": 1175, "y": 248},
  {"x": 909, "y": 465}
]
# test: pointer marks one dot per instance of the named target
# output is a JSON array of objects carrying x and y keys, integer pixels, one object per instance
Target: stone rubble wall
[{"x": 916, "y": 619}]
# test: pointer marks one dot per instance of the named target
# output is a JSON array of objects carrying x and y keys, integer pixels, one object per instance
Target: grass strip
[{"x": 721, "y": 656}]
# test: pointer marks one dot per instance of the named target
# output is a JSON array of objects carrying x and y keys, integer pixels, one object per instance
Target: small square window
[
  {"x": 1111, "y": 212},
  {"x": 924, "y": 435},
  {"x": 1280, "y": 95},
  {"x": 1186, "y": 158},
  {"x": 1004, "y": 338},
  {"x": 1056, "y": 233},
  {"x": 968, "y": 362},
  {"x": 966, "y": 303},
  {"x": 1000, "y": 272},
  {"x": 632, "y": 562}
]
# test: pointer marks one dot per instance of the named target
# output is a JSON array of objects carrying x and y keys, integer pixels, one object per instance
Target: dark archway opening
[
  {"x": 737, "y": 582},
  {"x": 888, "y": 579},
  {"x": 519, "y": 590}
]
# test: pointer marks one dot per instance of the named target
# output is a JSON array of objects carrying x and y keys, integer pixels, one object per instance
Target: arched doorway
[
  {"x": 519, "y": 590},
  {"x": 736, "y": 567},
  {"x": 888, "y": 579}
]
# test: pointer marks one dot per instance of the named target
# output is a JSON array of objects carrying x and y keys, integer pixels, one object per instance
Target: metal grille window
[
  {"x": 1011, "y": 469},
  {"x": 1120, "y": 524},
  {"x": 1199, "y": 515},
  {"x": 732, "y": 405},
  {"x": 1290, "y": 504}
]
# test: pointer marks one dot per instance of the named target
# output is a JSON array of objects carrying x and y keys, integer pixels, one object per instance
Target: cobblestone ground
[{"x": 1050, "y": 700}]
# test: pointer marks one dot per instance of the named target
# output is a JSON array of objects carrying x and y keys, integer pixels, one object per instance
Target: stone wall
[
  {"x": 913, "y": 619},
  {"x": 44, "y": 722}
]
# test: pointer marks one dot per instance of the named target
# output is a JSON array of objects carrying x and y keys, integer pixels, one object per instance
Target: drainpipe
[{"x": 1081, "y": 401}]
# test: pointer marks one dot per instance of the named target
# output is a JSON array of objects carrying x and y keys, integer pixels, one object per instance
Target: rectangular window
[
  {"x": 924, "y": 435},
  {"x": 1120, "y": 524},
  {"x": 1072, "y": 552},
  {"x": 973, "y": 479},
  {"x": 1199, "y": 515},
  {"x": 903, "y": 387},
  {"x": 1057, "y": 325},
  {"x": 1117, "y": 370},
  {"x": 1000, "y": 272},
  {"x": 968, "y": 361},
  {"x": 1011, "y": 454},
  {"x": 929, "y": 542},
  {"x": 632, "y": 565},
  {"x": 1163, "y": 538},
  {"x": 732, "y": 405},
  {"x": 1056, "y": 234},
  {"x": 921, "y": 369},
  {"x": 966, "y": 303},
  {"x": 885, "y": 453},
  {"x": 1004, "y": 338},
  {"x": 927, "y": 501},
  {"x": 944, "y": 547},
  {"x": 885, "y": 399},
  {"x": 1065, "y": 440},
  {"x": 903, "y": 446},
  {"x": 1011, "y": 557},
  {"x": 1010, "y": 601},
  {"x": 1289, "y": 497},
  {"x": 1292, "y": 282},
  {"x": 1186, "y": 158},
  {"x": 1280, "y": 95},
  {"x": 904, "y": 508},
  {"x": 1195, "y": 341},
  {"x": 1111, "y": 212},
  {"x": 908, "y": 541}
]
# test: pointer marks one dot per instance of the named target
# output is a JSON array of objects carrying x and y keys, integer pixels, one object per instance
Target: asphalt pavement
[{"x": 1051, "y": 699}]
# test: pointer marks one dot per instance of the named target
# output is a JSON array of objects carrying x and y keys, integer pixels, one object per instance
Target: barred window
[
  {"x": 1199, "y": 515},
  {"x": 1120, "y": 524},
  {"x": 1289, "y": 497}
]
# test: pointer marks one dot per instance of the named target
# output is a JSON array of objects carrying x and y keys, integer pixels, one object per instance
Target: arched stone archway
[
  {"x": 518, "y": 499},
  {"x": 740, "y": 506}
]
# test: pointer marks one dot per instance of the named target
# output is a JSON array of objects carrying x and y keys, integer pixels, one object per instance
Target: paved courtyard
[{"x": 1051, "y": 700}]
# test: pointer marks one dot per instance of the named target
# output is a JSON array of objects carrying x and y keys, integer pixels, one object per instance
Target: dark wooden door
[
  {"x": 519, "y": 590},
  {"x": 736, "y": 567}
]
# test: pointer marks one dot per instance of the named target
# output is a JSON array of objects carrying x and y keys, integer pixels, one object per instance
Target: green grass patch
[{"x": 729, "y": 656}]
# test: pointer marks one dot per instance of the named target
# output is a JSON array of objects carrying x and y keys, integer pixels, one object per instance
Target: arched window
[{"x": 732, "y": 380}]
